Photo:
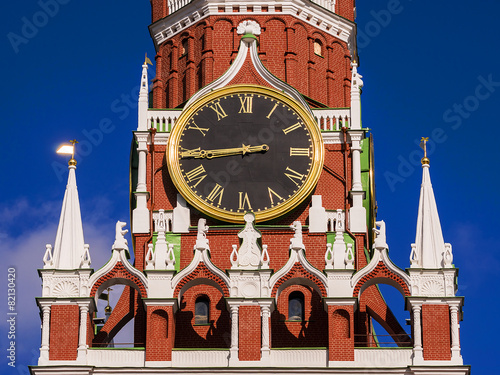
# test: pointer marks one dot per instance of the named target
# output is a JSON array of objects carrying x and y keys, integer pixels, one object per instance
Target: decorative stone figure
[
  {"x": 120, "y": 241},
  {"x": 249, "y": 252},
  {"x": 296, "y": 241},
  {"x": 201, "y": 237},
  {"x": 380, "y": 242}
]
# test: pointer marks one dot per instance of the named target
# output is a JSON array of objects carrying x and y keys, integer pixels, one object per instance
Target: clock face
[{"x": 245, "y": 148}]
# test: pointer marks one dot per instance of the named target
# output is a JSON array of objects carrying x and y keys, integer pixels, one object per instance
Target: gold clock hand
[
  {"x": 197, "y": 153},
  {"x": 244, "y": 149}
]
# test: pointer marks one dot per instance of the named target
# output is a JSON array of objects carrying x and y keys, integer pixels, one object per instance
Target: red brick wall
[
  {"x": 295, "y": 334},
  {"x": 286, "y": 49},
  {"x": 217, "y": 334},
  {"x": 341, "y": 333},
  {"x": 436, "y": 339},
  {"x": 64, "y": 327},
  {"x": 160, "y": 334},
  {"x": 249, "y": 325}
]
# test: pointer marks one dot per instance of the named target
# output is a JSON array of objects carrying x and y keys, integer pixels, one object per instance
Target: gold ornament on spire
[
  {"x": 423, "y": 143},
  {"x": 147, "y": 60},
  {"x": 66, "y": 149}
]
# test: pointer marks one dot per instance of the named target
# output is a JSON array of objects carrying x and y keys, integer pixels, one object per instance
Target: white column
[
  {"x": 82, "y": 335},
  {"x": 417, "y": 334},
  {"x": 141, "y": 178},
  {"x": 233, "y": 358},
  {"x": 357, "y": 213},
  {"x": 265, "y": 350},
  {"x": 140, "y": 214},
  {"x": 356, "y": 164},
  {"x": 82, "y": 338},
  {"x": 44, "y": 350},
  {"x": 455, "y": 339}
]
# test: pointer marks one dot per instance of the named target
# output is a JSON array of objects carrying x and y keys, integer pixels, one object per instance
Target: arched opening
[
  {"x": 382, "y": 310},
  {"x": 202, "y": 310}
]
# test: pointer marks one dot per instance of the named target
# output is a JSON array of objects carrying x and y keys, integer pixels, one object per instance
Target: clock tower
[{"x": 253, "y": 215}]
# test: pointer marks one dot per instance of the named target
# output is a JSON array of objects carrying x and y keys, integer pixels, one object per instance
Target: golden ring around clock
[{"x": 172, "y": 155}]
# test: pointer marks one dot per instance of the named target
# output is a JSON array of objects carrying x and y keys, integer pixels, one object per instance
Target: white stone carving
[
  {"x": 380, "y": 241},
  {"x": 448, "y": 256},
  {"x": 329, "y": 257},
  {"x": 150, "y": 258},
  {"x": 65, "y": 289},
  {"x": 248, "y": 27},
  {"x": 86, "y": 257},
  {"x": 249, "y": 255},
  {"x": 120, "y": 241},
  {"x": 349, "y": 258},
  {"x": 48, "y": 261},
  {"x": 201, "y": 237},
  {"x": 432, "y": 288},
  {"x": 296, "y": 240},
  {"x": 264, "y": 258}
]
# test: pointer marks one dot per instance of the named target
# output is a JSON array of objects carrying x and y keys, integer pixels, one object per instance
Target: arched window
[
  {"x": 318, "y": 48},
  {"x": 296, "y": 306},
  {"x": 201, "y": 310}
]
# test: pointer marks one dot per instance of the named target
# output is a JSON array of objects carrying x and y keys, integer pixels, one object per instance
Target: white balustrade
[
  {"x": 332, "y": 119},
  {"x": 162, "y": 121}
]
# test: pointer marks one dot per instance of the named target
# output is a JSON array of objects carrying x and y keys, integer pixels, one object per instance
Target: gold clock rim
[{"x": 172, "y": 156}]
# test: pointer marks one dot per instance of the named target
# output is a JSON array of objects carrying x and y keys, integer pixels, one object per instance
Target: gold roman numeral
[
  {"x": 294, "y": 175},
  {"x": 198, "y": 173},
  {"x": 271, "y": 193},
  {"x": 246, "y": 104},
  {"x": 196, "y": 127},
  {"x": 244, "y": 201},
  {"x": 217, "y": 191},
  {"x": 272, "y": 110},
  {"x": 292, "y": 128},
  {"x": 217, "y": 108},
  {"x": 297, "y": 151}
]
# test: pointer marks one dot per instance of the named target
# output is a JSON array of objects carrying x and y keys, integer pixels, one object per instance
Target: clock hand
[{"x": 197, "y": 153}]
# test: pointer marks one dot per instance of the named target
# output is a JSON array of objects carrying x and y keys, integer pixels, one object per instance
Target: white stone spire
[
  {"x": 143, "y": 97},
  {"x": 429, "y": 248},
  {"x": 69, "y": 250}
]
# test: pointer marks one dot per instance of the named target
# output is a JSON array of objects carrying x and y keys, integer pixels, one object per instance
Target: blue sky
[{"x": 430, "y": 68}]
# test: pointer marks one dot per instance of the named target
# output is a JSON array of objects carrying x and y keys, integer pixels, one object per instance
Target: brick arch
[
  {"x": 298, "y": 271},
  {"x": 120, "y": 272},
  {"x": 381, "y": 275},
  {"x": 201, "y": 272}
]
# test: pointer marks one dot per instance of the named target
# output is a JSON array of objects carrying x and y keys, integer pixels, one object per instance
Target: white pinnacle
[
  {"x": 429, "y": 244},
  {"x": 69, "y": 246}
]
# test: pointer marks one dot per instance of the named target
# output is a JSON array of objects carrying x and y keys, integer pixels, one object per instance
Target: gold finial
[
  {"x": 108, "y": 309},
  {"x": 423, "y": 143},
  {"x": 72, "y": 161}
]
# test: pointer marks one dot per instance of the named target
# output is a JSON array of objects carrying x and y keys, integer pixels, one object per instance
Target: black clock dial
[{"x": 244, "y": 151}]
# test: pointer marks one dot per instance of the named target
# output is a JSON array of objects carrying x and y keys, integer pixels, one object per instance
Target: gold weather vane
[
  {"x": 423, "y": 143},
  {"x": 147, "y": 60},
  {"x": 66, "y": 149}
]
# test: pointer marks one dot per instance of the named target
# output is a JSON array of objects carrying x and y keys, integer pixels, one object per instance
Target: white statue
[
  {"x": 249, "y": 252},
  {"x": 201, "y": 237},
  {"x": 120, "y": 241},
  {"x": 296, "y": 241},
  {"x": 380, "y": 241}
]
